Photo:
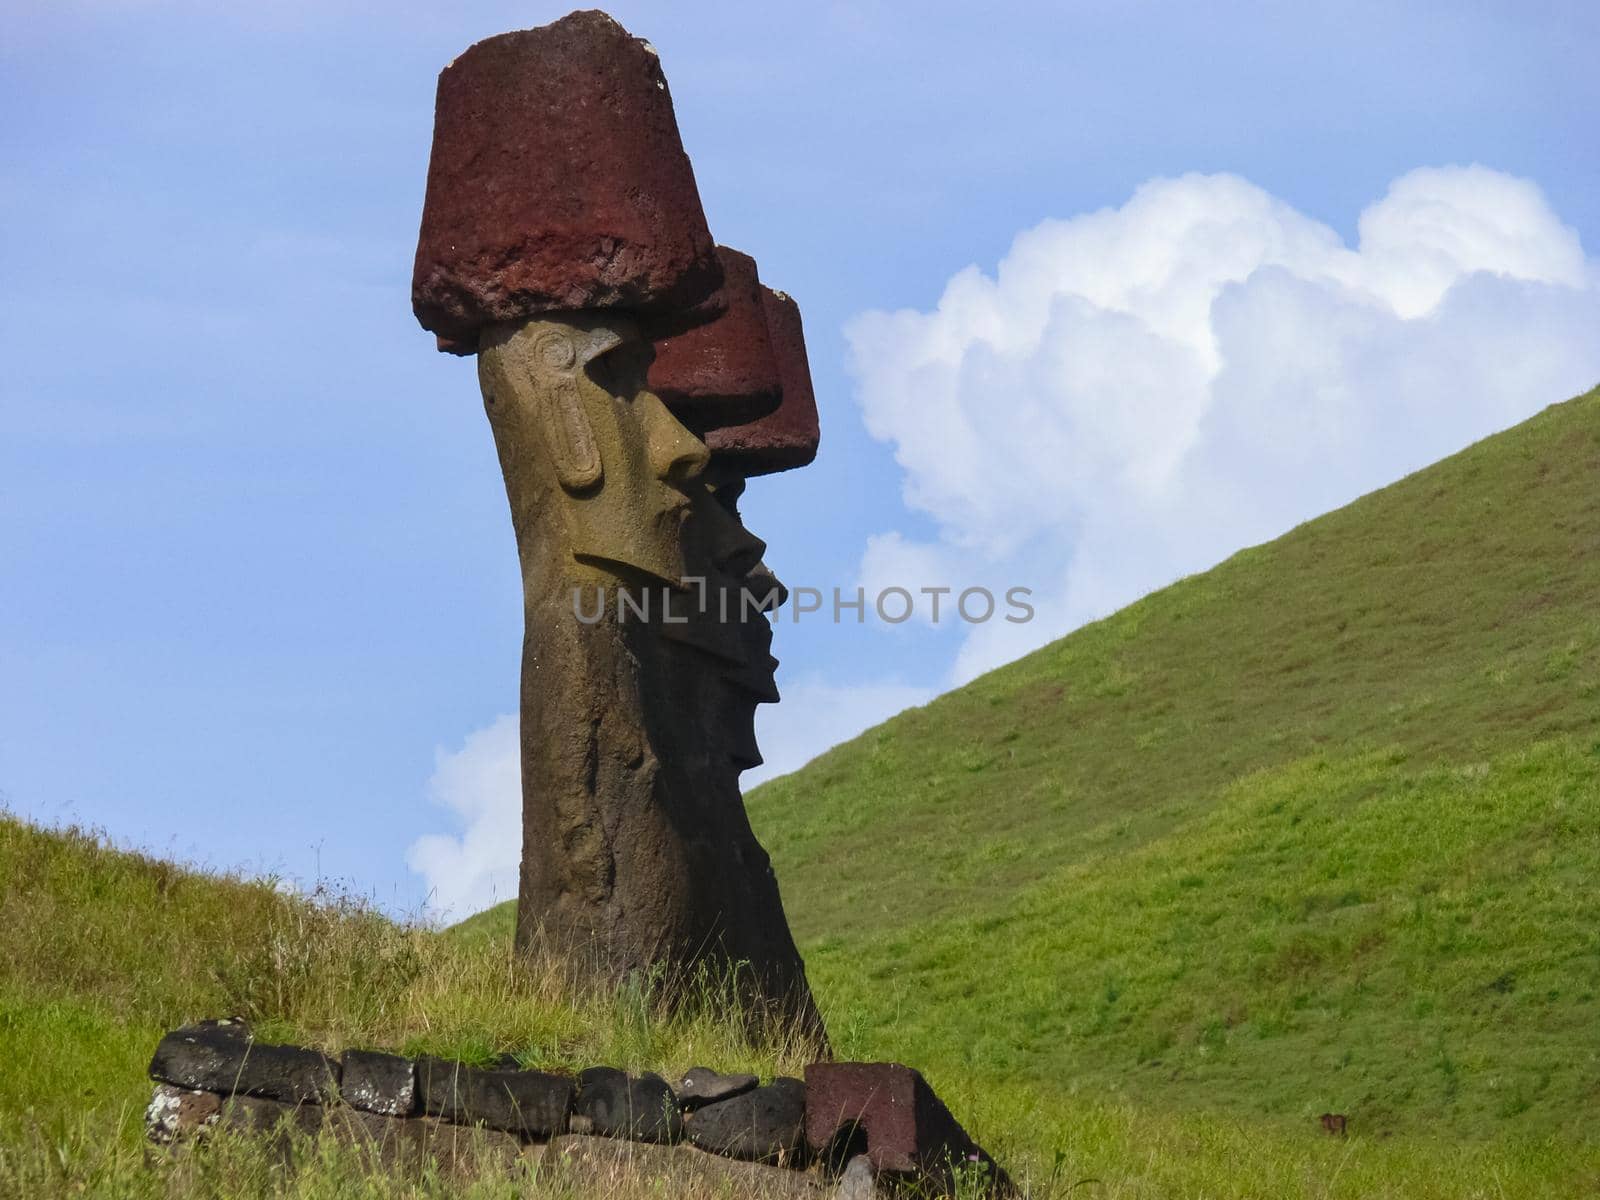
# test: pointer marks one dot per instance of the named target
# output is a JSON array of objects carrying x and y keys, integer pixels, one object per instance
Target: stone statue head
[{"x": 621, "y": 462}]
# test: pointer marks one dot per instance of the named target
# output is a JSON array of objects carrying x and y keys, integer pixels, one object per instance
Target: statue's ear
[{"x": 568, "y": 434}]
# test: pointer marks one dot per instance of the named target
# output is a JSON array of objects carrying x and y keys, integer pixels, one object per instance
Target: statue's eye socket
[
  {"x": 622, "y": 371},
  {"x": 600, "y": 373}
]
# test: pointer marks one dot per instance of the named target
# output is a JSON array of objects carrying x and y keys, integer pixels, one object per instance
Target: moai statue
[{"x": 562, "y": 239}]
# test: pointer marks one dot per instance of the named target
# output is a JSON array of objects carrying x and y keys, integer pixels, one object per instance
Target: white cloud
[
  {"x": 1138, "y": 392},
  {"x": 482, "y": 785}
]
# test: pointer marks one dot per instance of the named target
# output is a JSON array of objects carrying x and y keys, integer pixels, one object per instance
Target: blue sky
[{"x": 258, "y": 594}]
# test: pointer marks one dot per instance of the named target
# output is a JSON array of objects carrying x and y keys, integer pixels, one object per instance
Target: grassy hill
[
  {"x": 102, "y": 951},
  {"x": 1316, "y": 830}
]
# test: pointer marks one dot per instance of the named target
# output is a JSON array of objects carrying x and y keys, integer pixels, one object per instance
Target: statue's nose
[
  {"x": 763, "y": 584},
  {"x": 676, "y": 455}
]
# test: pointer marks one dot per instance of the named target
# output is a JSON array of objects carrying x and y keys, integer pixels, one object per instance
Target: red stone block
[
  {"x": 788, "y": 437},
  {"x": 723, "y": 372},
  {"x": 907, "y": 1129},
  {"x": 557, "y": 181}
]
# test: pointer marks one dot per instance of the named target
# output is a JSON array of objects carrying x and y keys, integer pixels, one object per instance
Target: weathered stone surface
[
  {"x": 529, "y": 1103},
  {"x": 408, "y": 1144},
  {"x": 437, "y": 1081},
  {"x": 603, "y": 1166},
  {"x": 404, "y": 1144},
  {"x": 701, "y": 1086},
  {"x": 725, "y": 371},
  {"x": 908, "y": 1129},
  {"x": 378, "y": 1083},
  {"x": 222, "y": 1027},
  {"x": 764, "y": 1125},
  {"x": 621, "y": 470},
  {"x": 216, "y": 1059},
  {"x": 789, "y": 436},
  {"x": 640, "y": 1108},
  {"x": 255, "y": 1115},
  {"x": 176, "y": 1112},
  {"x": 558, "y": 181},
  {"x": 858, "y": 1181}
]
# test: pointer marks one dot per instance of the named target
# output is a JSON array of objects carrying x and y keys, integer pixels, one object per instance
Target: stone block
[
  {"x": 378, "y": 1083},
  {"x": 764, "y": 1125},
  {"x": 723, "y": 372},
  {"x": 213, "y": 1059},
  {"x": 907, "y": 1129},
  {"x": 528, "y": 1103},
  {"x": 640, "y": 1108},
  {"x": 701, "y": 1086},
  {"x": 440, "y": 1085},
  {"x": 788, "y": 437},
  {"x": 557, "y": 181}
]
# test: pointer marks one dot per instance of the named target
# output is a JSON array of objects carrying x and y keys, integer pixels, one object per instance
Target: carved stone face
[
  {"x": 731, "y": 632},
  {"x": 622, "y": 461}
]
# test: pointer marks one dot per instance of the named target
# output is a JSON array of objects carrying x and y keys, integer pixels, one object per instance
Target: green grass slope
[
  {"x": 1451, "y": 615},
  {"x": 102, "y": 951},
  {"x": 1315, "y": 830}
]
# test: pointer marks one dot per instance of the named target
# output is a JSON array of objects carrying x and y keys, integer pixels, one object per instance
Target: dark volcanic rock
[
  {"x": 259, "y": 1114},
  {"x": 378, "y": 1083},
  {"x": 788, "y": 437},
  {"x": 439, "y": 1080},
  {"x": 701, "y": 1086},
  {"x": 766, "y": 1125},
  {"x": 725, "y": 371},
  {"x": 218, "y": 1059},
  {"x": 531, "y": 1103},
  {"x": 410, "y": 1145},
  {"x": 557, "y": 181},
  {"x": 908, "y": 1130},
  {"x": 604, "y": 1101},
  {"x": 640, "y": 1108}
]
